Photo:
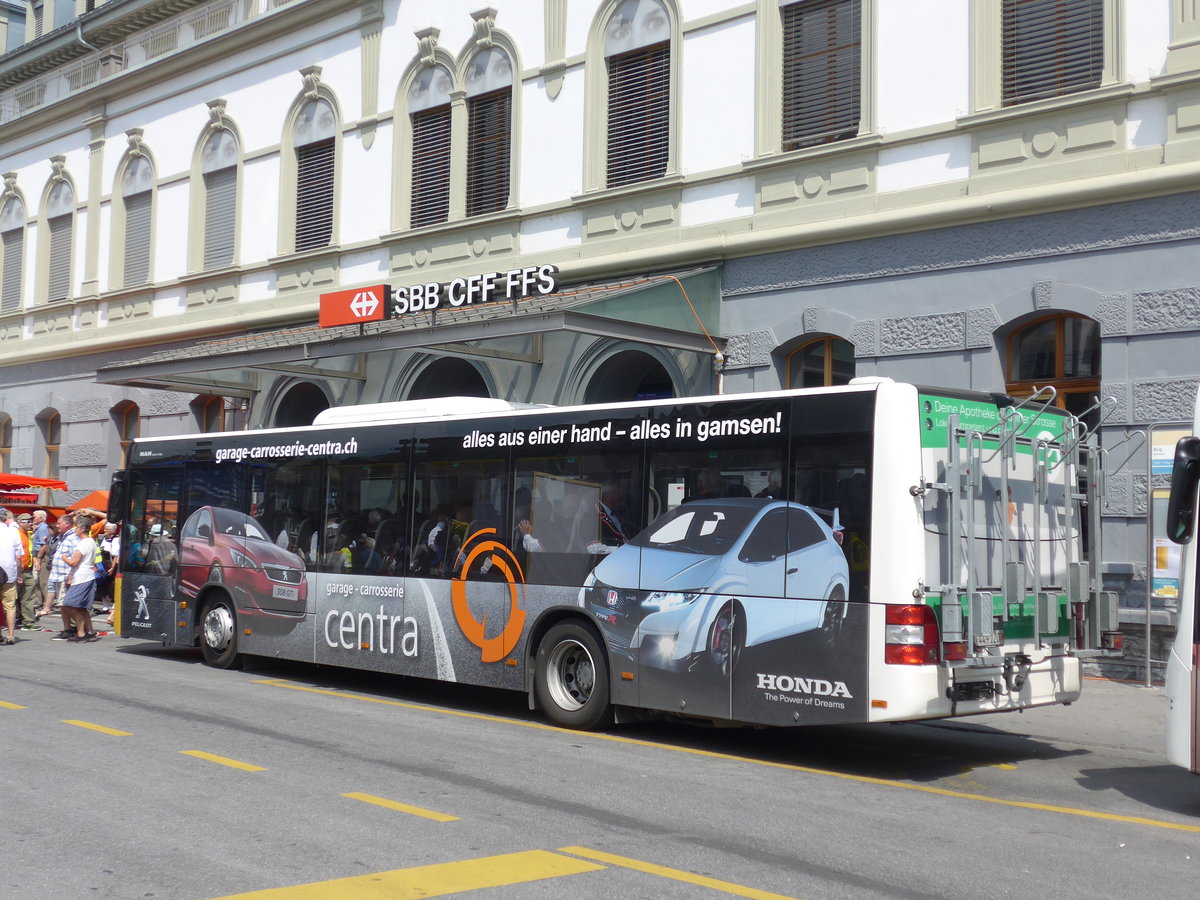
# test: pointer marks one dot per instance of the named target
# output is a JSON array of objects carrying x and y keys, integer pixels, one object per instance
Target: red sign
[
  {"x": 8, "y": 497},
  {"x": 367, "y": 304}
]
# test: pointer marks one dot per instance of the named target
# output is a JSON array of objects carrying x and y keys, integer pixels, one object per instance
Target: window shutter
[
  {"x": 59, "y": 281},
  {"x": 137, "y": 239},
  {"x": 314, "y": 194},
  {"x": 14, "y": 253},
  {"x": 639, "y": 120},
  {"x": 488, "y": 151},
  {"x": 220, "y": 202},
  {"x": 1051, "y": 48},
  {"x": 822, "y": 72},
  {"x": 430, "y": 167}
]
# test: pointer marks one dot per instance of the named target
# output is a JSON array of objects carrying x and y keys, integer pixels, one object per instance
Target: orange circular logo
[{"x": 499, "y": 557}]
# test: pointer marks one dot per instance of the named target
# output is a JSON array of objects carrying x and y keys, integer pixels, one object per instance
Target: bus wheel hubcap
[
  {"x": 218, "y": 627},
  {"x": 571, "y": 675}
]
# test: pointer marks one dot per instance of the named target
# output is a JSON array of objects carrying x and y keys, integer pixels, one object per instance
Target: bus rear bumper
[{"x": 1021, "y": 682}]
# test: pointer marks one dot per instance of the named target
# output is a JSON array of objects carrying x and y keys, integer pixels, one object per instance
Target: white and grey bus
[{"x": 868, "y": 553}]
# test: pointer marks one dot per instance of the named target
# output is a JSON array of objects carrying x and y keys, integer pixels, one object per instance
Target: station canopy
[{"x": 679, "y": 310}]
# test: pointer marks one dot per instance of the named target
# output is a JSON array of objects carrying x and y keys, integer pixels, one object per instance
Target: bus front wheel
[
  {"x": 218, "y": 633},
  {"x": 571, "y": 678}
]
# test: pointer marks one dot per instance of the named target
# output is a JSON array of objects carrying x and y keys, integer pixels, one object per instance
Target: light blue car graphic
[{"x": 712, "y": 577}]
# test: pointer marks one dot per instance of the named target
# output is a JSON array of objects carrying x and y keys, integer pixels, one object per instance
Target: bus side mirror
[
  {"x": 1185, "y": 476},
  {"x": 118, "y": 498}
]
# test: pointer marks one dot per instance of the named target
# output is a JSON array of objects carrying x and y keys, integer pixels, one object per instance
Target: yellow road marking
[
  {"x": 223, "y": 760},
  {"x": 6, "y": 705},
  {"x": 712, "y": 754},
  {"x": 435, "y": 881},
  {"x": 402, "y": 807},
  {"x": 637, "y": 865},
  {"x": 94, "y": 727},
  {"x": 1003, "y": 766}
]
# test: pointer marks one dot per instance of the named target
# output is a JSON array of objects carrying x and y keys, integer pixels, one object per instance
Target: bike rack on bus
[{"x": 1056, "y": 491}]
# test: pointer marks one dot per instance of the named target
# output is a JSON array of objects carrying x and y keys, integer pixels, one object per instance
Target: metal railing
[{"x": 180, "y": 33}]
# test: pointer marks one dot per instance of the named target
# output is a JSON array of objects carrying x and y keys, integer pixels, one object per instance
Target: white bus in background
[
  {"x": 1183, "y": 664},
  {"x": 867, "y": 553}
]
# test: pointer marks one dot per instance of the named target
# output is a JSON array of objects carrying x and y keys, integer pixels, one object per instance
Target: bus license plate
[
  {"x": 284, "y": 592},
  {"x": 991, "y": 639}
]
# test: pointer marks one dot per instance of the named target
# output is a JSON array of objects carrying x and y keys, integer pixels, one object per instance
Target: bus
[
  {"x": 1183, "y": 663},
  {"x": 865, "y": 553}
]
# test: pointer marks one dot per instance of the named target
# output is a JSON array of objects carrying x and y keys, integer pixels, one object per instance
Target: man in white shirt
[{"x": 11, "y": 552}]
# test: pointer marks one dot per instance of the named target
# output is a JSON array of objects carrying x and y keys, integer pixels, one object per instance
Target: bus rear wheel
[
  {"x": 218, "y": 633},
  {"x": 571, "y": 678}
]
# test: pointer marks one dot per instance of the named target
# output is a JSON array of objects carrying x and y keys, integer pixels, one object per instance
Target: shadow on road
[{"x": 1165, "y": 787}]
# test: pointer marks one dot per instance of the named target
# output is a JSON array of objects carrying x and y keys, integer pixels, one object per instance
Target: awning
[
  {"x": 94, "y": 500},
  {"x": 679, "y": 310},
  {"x": 11, "y": 482}
]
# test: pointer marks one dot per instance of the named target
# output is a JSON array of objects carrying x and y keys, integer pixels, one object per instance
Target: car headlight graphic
[
  {"x": 241, "y": 560},
  {"x": 660, "y": 601}
]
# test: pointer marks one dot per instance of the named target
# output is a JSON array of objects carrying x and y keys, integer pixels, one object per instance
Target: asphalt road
[{"x": 135, "y": 772}]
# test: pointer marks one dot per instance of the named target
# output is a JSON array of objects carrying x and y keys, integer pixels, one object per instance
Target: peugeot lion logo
[
  {"x": 364, "y": 304},
  {"x": 140, "y": 596}
]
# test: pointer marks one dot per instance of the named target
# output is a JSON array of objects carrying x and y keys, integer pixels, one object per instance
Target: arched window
[
  {"x": 637, "y": 54},
  {"x": 300, "y": 405},
  {"x": 218, "y": 165},
  {"x": 12, "y": 237},
  {"x": 429, "y": 113},
  {"x": 50, "y": 428},
  {"x": 6, "y": 439},
  {"x": 821, "y": 363},
  {"x": 209, "y": 412},
  {"x": 60, "y": 221},
  {"x": 137, "y": 195},
  {"x": 314, "y": 137},
  {"x": 449, "y": 377},
  {"x": 629, "y": 375},
  {"x": 489, "y": 131},
  {"x": 128, "y": 421},
  {"x": 1061, "y": 350}
]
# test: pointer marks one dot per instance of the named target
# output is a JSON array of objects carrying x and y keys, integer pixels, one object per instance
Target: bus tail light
[
  {"x": 1113, "y": 640},
  {"x": 911, "y": 636}
]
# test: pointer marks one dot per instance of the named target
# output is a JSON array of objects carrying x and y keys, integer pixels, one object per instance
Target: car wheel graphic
[
  {"x": 571, "y": 678},
  {"x": 834, "y": 618},
  {"x": 218, "y": 633},
  {"x": 726, "y": 637}
]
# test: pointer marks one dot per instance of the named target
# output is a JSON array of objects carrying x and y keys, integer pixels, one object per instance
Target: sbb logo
[{"x": 354, "y": 306}]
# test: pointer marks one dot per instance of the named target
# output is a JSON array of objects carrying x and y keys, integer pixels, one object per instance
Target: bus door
[
  {"x": 149, "y": 554},
  {"x": 466, "y": 590}
]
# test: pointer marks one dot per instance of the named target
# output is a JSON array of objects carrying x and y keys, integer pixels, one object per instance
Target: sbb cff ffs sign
[
  {"x": 374, "y": 304},
  {"x": 367, "y": 304}
]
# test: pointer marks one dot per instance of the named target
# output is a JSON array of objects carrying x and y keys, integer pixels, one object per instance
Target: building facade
[{"x": 737, "y": 196}]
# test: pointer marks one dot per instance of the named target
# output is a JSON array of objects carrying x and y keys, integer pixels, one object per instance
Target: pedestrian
[
  {"x": 110, "y": 555},
  {"x": 43, "y": 559},
  {"x": 27, "y": 599},
  {"x": 64, "y": 539},
  {"x": 81, "y": 584},
  {"x": 10, "y": 566},
  {"x": 41, "y": 534}
]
